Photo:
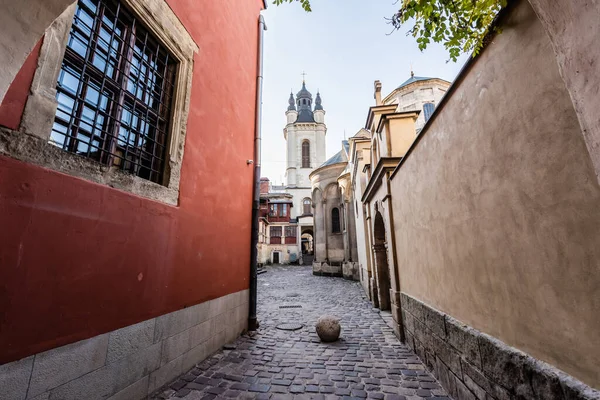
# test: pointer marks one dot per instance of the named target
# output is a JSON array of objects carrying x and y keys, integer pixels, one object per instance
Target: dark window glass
[
  {"x": 114, "y": 91},
  {"x": 335, "y": 220},
  {"x": 428, "y": 110},
  {"x": 306, "y": 154}
]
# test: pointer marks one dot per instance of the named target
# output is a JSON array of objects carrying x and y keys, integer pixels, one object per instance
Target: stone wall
[
  {"x": 132, "y": 362},
  {"x": 474, "y": 366}
]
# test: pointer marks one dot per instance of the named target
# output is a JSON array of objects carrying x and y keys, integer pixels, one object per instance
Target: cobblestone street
[{"x": 367, "y": 362}]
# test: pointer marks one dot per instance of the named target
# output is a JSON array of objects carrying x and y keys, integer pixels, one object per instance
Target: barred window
[{"x": 115, "y": 91}]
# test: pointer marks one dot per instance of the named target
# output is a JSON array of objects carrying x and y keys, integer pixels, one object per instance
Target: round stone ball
[{"x": 328, "y": 328}]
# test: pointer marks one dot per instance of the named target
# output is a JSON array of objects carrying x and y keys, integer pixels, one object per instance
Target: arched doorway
[
  {"x": 381, "y": 263},
  {"x": 307, "y": 246}
]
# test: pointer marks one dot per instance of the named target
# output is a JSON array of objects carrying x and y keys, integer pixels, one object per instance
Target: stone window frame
[{"x": 31, "y": 143}]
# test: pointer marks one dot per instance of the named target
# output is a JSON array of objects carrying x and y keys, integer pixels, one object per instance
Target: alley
[{"x": 368, "y": 360}]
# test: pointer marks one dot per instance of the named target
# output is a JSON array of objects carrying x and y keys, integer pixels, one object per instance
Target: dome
[{"x": 304, "y": 93}]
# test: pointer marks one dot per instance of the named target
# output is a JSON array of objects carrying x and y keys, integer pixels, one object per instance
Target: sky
[{"x": 343, "y": 46}]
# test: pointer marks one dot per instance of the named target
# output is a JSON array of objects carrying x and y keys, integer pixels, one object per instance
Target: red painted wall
[
  {"x": 13, "y": 104},
  {"x": 78, "y": 259}
]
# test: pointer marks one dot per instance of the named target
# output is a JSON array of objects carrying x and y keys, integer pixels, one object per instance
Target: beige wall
[
  {"x": 573, "y": 29},
  {"x": 402, "y": 133},
  {"x": 497, "y": 207}
]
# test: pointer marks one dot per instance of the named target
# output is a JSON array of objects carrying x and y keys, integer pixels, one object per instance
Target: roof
[
  {"x": 305, "y": 115},
  {"x": 362, "y": 134},
  {"x": 339, "y": 157},
  {"x": 413, "y": 79}
]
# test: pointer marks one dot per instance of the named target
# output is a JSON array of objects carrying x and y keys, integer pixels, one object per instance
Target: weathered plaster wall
[
  {"x": 573, "y": 30},
  {"x": 496, "y": 207},
  {"x": 80, "y": 259},
  {"x": 13, "y": 104},
  {"x": 22, "y": 24}
]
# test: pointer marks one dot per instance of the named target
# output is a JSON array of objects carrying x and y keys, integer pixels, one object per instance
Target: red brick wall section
[
  {"x": 13, "y": 104},
  {"x": 264, "y": 185},
  {"x": 78, "y": 259}
]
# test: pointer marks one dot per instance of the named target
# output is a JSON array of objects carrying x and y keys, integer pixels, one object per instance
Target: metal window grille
[
  {"x": 335, "y": 220},
  {"x": 114, "y": 91},
  {"x": 428, "y": 110},
  {"x": 306, "y": 154}
]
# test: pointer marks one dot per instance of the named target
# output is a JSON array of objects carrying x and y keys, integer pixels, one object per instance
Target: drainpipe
[{"x": 252, "y": 321}]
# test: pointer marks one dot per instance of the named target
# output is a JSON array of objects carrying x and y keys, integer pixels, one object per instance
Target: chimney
[
  {"x": 377, "y": 93},
  {"x": 264, "y": 185}
]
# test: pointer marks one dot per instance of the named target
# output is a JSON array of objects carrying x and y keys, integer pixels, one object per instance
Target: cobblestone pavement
[{"x": 367, "y": 362}]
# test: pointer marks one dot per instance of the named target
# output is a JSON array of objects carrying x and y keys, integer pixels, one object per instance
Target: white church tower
[{"x": 305, "y": 138}]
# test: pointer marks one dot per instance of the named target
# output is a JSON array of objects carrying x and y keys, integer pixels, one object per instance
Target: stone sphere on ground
[{"x": 328, "y": 328}]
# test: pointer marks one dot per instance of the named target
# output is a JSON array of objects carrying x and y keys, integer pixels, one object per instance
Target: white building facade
[{"x": 304, "y": 133}]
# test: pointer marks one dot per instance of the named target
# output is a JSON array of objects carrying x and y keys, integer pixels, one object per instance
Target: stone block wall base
[
  {"x": 132, "y": 362},
  {"x": 475, "y": 366},
  {"x": 324, "y": 269},
  {"x": 350, "y": 271}
]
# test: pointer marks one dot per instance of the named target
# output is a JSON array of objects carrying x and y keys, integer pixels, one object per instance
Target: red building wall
[{"x": 78, "y": 259}]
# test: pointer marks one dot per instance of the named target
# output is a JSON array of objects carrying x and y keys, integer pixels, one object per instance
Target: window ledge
[{"x": 34, "y": 150}]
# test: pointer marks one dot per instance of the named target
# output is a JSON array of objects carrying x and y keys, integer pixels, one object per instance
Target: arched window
[
  {"x": 306, "y": 203},
  {"x": 335, "y": 220},
  {"x": 306, "y": 154},
  {"x": 428, "y": 110}
]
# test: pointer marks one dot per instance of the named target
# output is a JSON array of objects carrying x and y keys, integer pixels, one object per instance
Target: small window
[
  {"x": 284, "y": 210},
  {"x": 307, "y": 205},
  {"x": 275, "y": 235},
  {"x": 335, "y": 220},
  {"x": 290, "y": 230},
  {"x": 290, "y": 234},
  {"x": 306, "y": 154},
  {"x": 428, "y": 110},
  {"x": 273, "y": 210},
  {"x": 114, "y": 91}
]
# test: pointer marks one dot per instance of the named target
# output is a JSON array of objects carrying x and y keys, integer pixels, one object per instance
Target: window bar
[
  {"x": 121, "y": 103},
  {"x": 163, "y": 89},
  {"x": 103, "y": 84},
  {"x": 71, "y": 132},
  {"x": 141, "y": 84}
]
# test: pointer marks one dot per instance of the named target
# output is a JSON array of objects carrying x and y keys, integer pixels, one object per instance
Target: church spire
[
  {"x": 318, "y": 105},
  {"x": 292, "y": 102}
]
